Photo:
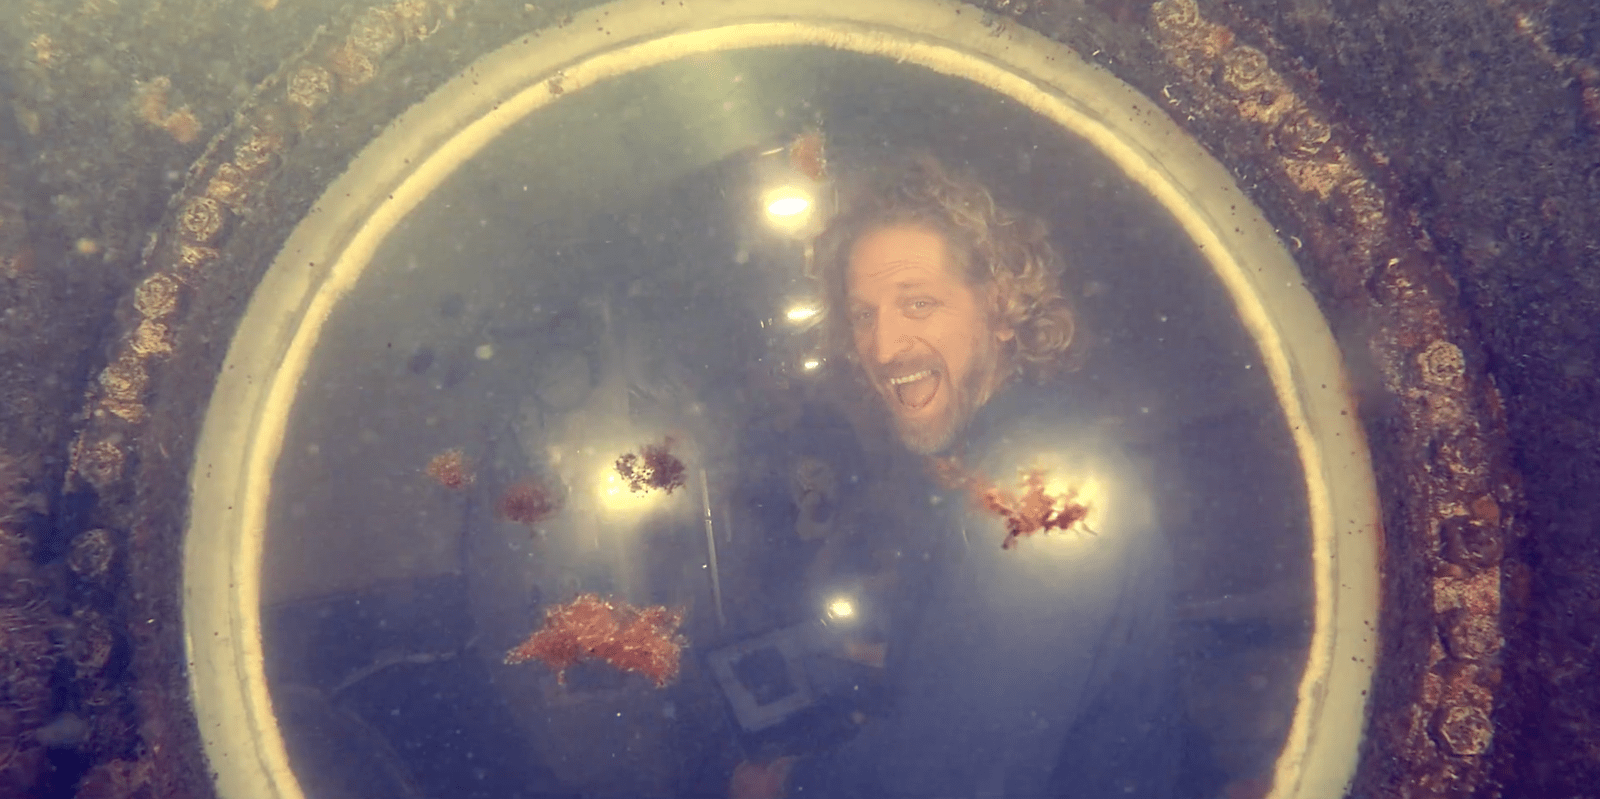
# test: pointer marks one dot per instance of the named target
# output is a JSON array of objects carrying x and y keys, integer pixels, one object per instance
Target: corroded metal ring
[{"x": 1453, "y": 507}]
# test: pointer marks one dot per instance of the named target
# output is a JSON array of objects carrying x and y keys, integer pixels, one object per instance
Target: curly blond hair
[{"x": 991, "y": 245}]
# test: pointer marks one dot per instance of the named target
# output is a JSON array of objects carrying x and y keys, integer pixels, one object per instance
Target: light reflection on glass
[
  {"x": 801, "y": 313},
  {"x": 788, "y": 209},
  {"x": 616, "y": 495}
]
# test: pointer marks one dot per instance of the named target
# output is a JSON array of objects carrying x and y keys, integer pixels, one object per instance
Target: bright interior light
[
  {"x": 1086, "y": 490},
  {"x": 800, "y": 313},
  {"x": 1089, "y": 492},
  {"x": 789, "y": 209},
  {"x": 841, "y": 608},
  {"x": 810, "y": 363},
  {"x": 788, "y": 206},
  {"x": 617, "y": 495}
]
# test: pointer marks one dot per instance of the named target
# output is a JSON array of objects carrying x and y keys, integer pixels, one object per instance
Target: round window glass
[{"x": 830, "y": 405}]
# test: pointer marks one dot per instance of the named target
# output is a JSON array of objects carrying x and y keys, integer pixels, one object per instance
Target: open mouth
[{"x": 916, "y": 390}]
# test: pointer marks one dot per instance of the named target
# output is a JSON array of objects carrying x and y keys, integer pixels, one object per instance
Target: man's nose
[{"x": 892, "y": 338}]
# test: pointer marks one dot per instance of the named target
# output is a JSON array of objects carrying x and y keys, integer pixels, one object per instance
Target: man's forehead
[
  {"x": 900, "y": 275},
  {"x": 902, "y": 257}
]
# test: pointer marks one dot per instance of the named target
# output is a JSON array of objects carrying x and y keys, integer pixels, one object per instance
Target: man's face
[{"x": 923, "y": 333}]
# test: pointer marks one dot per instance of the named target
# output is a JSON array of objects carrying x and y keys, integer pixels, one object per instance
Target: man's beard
[{"x": 933, "y": 436}]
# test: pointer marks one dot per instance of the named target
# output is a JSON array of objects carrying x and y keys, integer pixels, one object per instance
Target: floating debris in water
[
  {"x": 808, "y": 156},
  {"x": 451, "y": 469},
  {"x": 528, "y": 502},
  {"x": 639, "y": 640},
  {"x": 1033, "y": 508},
  {"x": 654, "y": 467}
]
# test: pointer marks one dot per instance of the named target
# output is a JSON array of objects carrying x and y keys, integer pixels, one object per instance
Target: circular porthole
[{"x": 548, "y": 348}]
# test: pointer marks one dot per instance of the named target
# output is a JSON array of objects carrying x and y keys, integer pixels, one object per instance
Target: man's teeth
[{"x": 911, "y": 378}]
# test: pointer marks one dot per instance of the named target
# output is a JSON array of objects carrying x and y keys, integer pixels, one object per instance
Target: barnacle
[
  {"x": 1247, "y": 72},
  {"x": 123, "y": 380},
  {"x": 151, "y": 338},
  {"x": 1441, "y": 364},
  {"x": 122, "y": 385},
  {"x": 1466, "y": 730},
  {"x": 229, "y": 186},
  {"x": 88, "y": 642},
  {"x": 310, "y": 87},
  {"x": 414, "y": 19},
  {"x": 255, "y": 154},
  {"x": 201, "y": 220},
  {"x": 91, "y": 554},
  {"x": 1178, "y": 16},
  {"x": 99, "y": 462},
  {"x": 195, "y": 259},
  {"x": 156, "y": 297},
  {"x": 354, "y": 67},
  {"x": 374, "y": 33},
  {"x": 1302, "y": 134}
]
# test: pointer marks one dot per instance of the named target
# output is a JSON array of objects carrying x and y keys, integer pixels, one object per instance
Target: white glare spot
[
  {"x": 811, "y": 363},
  {"x": 841, "y": 608},
  {"x": 618, "y": 497},
  {"x": 788, "y": 209},
  {"x": 484, "y": 352},
  {"x": 788, "y": 206},
  {"x": 800, "y": 313}
]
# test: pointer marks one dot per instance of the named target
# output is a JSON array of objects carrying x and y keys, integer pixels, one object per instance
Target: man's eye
[{"x": 921, "y": 306}]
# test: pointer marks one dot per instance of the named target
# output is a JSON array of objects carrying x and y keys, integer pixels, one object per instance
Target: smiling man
[
  {"x": 942, "y": 297},
  {"x": 924, "y": 335},
  {"x": 1017, "y": 666}
]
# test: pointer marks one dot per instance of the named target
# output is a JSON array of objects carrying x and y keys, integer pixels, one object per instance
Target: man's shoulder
[
  {"x": 1048, "y": 444},
  {"x": 1054, "y": 415}
]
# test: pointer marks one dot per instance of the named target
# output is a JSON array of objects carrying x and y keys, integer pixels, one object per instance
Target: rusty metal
[
  {"x": 129, "y": 460},
  {"x": 1433, "y": 414},
  {"x": 1456, "y": 585}
]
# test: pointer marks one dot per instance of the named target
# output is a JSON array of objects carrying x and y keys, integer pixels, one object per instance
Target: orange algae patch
[
  {"x": 528, "y": 502},
  {"x": 1032, "y": 508},
  {"x": 654, "y": 467},
  {"x": 639, "y": 640},
  {"x": 451, "y": 469},
  {"x": 807, "y": 154},
  {"x": 1035, "y": 509}
]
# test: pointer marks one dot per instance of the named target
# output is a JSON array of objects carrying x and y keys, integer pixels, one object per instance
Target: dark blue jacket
[{"x": 1041, "y": 670}]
